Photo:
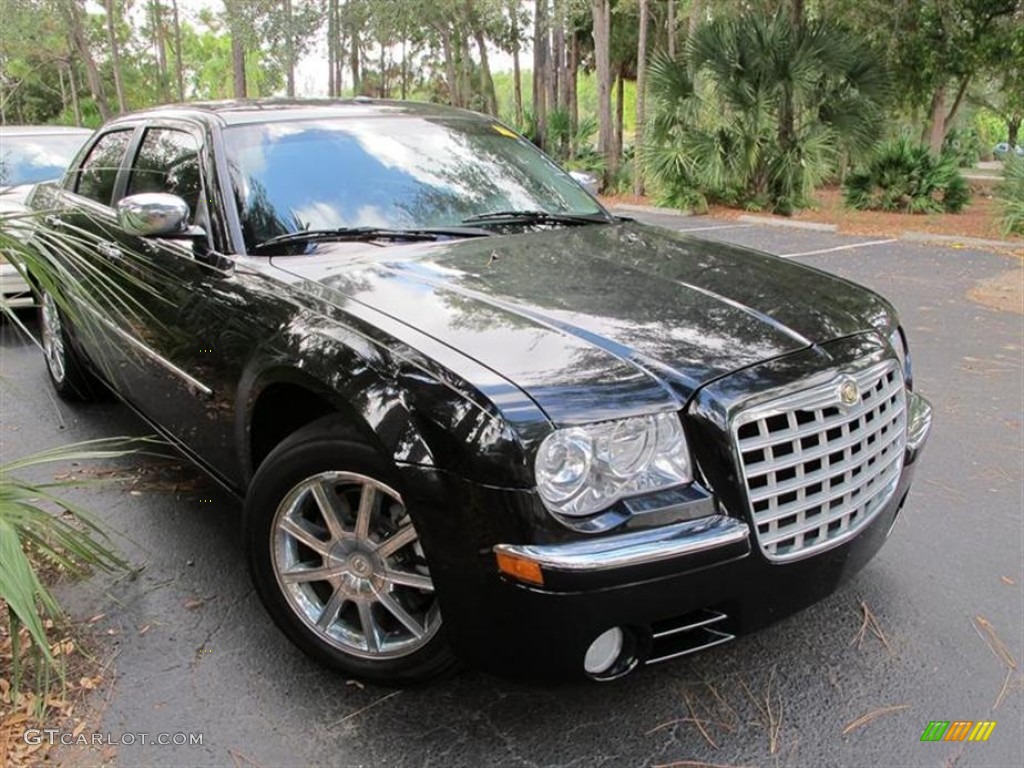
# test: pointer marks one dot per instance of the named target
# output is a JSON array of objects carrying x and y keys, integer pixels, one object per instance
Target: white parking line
[
  {"x": 838, "y": 248},
  {"x": 717, "y": 226}
]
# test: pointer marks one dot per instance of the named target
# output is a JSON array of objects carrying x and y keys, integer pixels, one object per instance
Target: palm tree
[
  {"x": 37, "y": 523},
  {"x": 775, "y": 108}
]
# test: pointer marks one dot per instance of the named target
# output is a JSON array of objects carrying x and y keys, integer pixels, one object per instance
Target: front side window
[
  {"x": 393, "y": 172},
  {"x": 168, "y": 161},
  {"x": 99, "y": 171}
]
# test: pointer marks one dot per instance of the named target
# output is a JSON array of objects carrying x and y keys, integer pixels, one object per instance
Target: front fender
[{"x": 401, "y": 402}]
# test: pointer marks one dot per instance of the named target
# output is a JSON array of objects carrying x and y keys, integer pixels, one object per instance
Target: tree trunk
[
  {"x": 115, "y": 55},
  {"x": 289, "y": 50},
  {"x": 179, "y": 66},
  {"x": 81, "y": 48},
  {"x": 332, "y": 48},
  {"x": 449, "y": 65},
  {"x": 540, "y": 72},
  {"x": 670, "y": 24},
  {"x": 961, "y": 92},
  {"x": 405, "y": 67},
  {"x": 76, "y": 104},
  {"x": 696, "y": 15},
  {"x": 938, "y": 120},
  {"x": 557, "y": 93},
  {"x": 602, "y": 57},
  {"x": 574, "y": 105},
  {"x": 465, "y": 67},
  {"x": 238, "y": 67},
  {"x": 620, "y": 111},
  {"x": 487, "y": 86},
  {"x": 160, "y": 48},
  {"x": 1013, "y": 128},
  {"x": 517, "y": 73},
  {"x": 641, "y": 85},
  {"x": 787, "y": 110},
  {"x": 354, "y": 56},
  {"x": 236, "y": 29},
  {"x": 551, "y": 75},
  {"x": 796, "y": 12},
  {"x": 63, "y": 94}
]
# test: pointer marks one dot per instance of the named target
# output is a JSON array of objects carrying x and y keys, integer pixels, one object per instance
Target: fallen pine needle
[
  {"x": 1008, "y": 683},
  {"x": 869, "y": 622},
  {"x": 994, "y": 642},
  {"x": 871, "y": 716},
  {"x": 697, "y": 764},
  {"x": 697, "y": 722},
  {"x": 371, "y": 705},
  {"x": 240, "y": 759},
  {"x": 678, "y": 720}
]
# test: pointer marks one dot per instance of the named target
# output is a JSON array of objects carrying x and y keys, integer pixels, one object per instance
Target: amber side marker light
[{"x": 520, "y": 568}]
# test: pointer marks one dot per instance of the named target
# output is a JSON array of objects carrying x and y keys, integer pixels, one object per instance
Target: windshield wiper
[
  {"x": 536, "y": 217},
  {"x": 366, "y": 234}
]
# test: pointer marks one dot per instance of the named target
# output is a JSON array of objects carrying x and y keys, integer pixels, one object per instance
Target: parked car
[
  {"x": 1002, "y": 149},
  {"x": 473, "y": 414},
  {"x": 29, "y": 154}
]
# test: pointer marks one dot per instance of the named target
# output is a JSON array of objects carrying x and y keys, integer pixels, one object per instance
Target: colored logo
[{"x": 958, "y": 730}]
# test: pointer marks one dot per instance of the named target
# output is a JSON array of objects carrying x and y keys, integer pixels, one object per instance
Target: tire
[
  {"x": 68, "y": 373},
  {"x": 337, "y": 562}
]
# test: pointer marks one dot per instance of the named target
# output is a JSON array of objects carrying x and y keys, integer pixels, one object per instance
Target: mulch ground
[{"x": 980, "y": 219}]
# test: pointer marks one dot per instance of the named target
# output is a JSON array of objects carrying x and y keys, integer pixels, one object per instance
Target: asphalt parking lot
[{"x": 191, "y": 650}]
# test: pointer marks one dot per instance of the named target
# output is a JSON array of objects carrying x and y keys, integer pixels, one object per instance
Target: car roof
[
  {"x": 235, "y": 112},
  {"x": 43, "y": 130}
]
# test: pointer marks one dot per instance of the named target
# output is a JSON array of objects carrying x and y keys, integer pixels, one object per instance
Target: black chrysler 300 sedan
[{"x": 472, "y": 414}]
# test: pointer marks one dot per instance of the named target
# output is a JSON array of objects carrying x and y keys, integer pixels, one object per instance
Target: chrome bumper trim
[
  {"x": 918, "y": 425},
  {"x": 638, "y": 548}
]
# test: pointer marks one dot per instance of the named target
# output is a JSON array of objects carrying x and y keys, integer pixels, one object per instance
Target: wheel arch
[{"x": 409, "y": 407}]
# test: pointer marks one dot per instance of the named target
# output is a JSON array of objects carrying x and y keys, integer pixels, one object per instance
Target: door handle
[
  {"x": 110, "y": 250},
  {"x": 54, "y": 221}
]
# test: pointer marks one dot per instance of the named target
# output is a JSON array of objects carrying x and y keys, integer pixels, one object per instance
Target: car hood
[{"x": 600, "y": 321}]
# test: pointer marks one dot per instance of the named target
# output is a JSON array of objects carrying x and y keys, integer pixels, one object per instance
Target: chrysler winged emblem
[{"x": 849, "y": 392}]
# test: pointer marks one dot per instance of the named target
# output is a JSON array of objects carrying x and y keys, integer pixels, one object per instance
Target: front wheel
[
  {"x": 68, "y": 374},
  {"x": 337, "y": 560}
]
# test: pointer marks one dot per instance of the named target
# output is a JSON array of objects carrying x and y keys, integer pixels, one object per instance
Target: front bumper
[{"x": 673, "y": 589}]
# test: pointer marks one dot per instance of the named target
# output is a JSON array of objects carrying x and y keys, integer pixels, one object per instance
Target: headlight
[
  {"x": 583, "y": 470},
  {"x": 898, "y": 342}
]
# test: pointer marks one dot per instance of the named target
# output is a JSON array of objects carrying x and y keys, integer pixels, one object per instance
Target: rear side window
[
  {"x": 99, "y": 171},
  {"x": 168, "y": 161}
]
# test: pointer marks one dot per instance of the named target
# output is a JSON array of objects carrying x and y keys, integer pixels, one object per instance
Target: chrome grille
[{"x": 816, "y": 470}]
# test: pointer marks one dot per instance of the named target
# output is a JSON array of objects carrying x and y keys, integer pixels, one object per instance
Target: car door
[
  {"x": 202, "y": 320},
  {"x": 85, "y": 229}
]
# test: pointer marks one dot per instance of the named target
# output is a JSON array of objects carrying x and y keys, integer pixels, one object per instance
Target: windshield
[
  {"x": 390, "y": 172},
  {"x": 31, "y": 159}
]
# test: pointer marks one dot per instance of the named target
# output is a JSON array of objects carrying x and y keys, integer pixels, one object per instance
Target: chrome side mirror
[
  {"x": 586, "y": 180},
  {"x": 153, "y": 214}
]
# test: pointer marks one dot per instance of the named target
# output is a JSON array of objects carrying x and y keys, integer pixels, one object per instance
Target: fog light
[{"x": 603, "y": 652}]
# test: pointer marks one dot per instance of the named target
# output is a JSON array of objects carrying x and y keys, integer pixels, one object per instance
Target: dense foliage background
[{"x": 749, "y": 102}]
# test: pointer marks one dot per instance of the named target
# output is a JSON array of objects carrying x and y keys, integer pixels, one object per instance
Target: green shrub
[
  {"x": 906, "y": 176},
  {"x": 37, "y": 525},
  {"x": 755, "y": 112},
  {"x": 963, "y": 146},
  {"x": 1011, "y": 196}
]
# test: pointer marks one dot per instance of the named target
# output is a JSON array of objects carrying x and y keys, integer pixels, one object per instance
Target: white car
[{"x": 29, "y": 154}]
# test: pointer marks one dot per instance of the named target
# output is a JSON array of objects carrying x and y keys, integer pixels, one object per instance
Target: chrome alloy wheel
[
  {"x": 349, "y": 562},
  {"x": 53, "y": 338}
]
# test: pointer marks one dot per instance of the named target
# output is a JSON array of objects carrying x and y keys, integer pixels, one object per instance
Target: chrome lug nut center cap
[{"x": 360, "y": 566}]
